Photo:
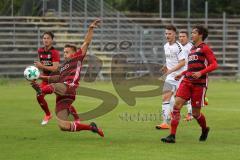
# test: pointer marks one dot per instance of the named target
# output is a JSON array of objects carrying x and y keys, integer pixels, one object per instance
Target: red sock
[
  {"x": 175, "y": 120},
  {"x": 75, "y": 126},
  {"x": 201, "y": 121},
  {"x": 42, "y": 102},
  {"x": 73, "y": 111}
]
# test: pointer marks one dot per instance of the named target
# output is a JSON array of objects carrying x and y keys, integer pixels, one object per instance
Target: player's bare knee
[
  {"x": 179, "y": 102},
  {"x": 196, "y": 113}
]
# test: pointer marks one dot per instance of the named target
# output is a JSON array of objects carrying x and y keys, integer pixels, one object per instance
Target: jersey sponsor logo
[
  {"x": 45, "y": 56},
  {"x": 66, "y": 66},
  {"x": 192, "y": 58},
  {"x": 46, "y": 63}
]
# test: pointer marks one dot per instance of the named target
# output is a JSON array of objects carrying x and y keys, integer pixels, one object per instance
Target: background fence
[{"x": 138, "y": 36}]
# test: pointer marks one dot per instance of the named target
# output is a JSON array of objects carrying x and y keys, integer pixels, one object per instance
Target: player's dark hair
[
  {"x": 171, "y": 27},
  {"x": 48, "y": 33},
  {"x": 184, "y": 31},
  {"x": 202, "y": 31},
  {"x": 72, "y": 46}
]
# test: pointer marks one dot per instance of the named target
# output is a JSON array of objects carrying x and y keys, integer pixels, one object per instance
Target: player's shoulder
[
  {"x": 41, "y": 49},
  {"x": 204, "y": 47},
  {"x": 179, "y": 46},
  {"x": 78, "y": 54},
  {"x": 166, "y": 44},
  {"x": 189, "y": 44},
  {"x": 54, "y": 50}
]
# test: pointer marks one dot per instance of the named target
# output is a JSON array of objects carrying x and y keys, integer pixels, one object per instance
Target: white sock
[
  {"x": 189, "y": 107},
  {"x": 172, "y": 102},
  {"x": 166, "y": 112}
]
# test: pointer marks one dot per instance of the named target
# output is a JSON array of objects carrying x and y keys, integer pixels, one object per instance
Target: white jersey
[
  {"x": 174, "y": 53},
  {"x": 187, "y": 47}
]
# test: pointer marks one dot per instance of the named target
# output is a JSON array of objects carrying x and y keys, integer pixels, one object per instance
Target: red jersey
[
  {"x": 70, "y": 69},
  {"x": 201, "y": 59},
  {"x": 48, "y": 57}
]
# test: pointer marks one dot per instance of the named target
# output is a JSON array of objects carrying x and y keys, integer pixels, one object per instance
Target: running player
[
  {"x": 49, "y": 60},
  {"x": 175, "y": 61},
  {"x": 193, "y": 87}
]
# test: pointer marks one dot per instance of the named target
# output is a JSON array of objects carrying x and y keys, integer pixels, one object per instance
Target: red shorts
[
  {"x": 65, "y": 96},
  {"x": 195, "y": 93},
  {"x": 63, "y": 102},
  {"x": 43, "y": 83}
]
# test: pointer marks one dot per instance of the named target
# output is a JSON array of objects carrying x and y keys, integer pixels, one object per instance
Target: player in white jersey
[
  {"x": 183, "y": 39},
  {"x": 175, "y": 62}
]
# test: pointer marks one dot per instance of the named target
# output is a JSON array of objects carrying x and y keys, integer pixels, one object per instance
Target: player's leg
[
  {"x": 189, "y": 116},
  {"x": 172, "y": 102},
  {"x": 182, "y": 95},
  {"x": 73, "y": 112},
  {"x": 175, "y": 120},
  {"x": 62, "y": 112},
  {"x": 166, "y": 109},
  {"x": 198, "y": 98},
  {"x": 42, "y": 90},
  {"x": 166, "y": 106}
]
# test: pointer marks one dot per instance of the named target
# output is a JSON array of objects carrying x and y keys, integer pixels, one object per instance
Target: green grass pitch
[{"x": 23, "y": 138}]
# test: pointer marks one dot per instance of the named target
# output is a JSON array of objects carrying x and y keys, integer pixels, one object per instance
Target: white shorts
[{"x": 170, "y": 85}]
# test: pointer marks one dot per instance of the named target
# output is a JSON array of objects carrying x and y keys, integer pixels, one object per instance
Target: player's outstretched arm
[{"x": 89, "y": 35}]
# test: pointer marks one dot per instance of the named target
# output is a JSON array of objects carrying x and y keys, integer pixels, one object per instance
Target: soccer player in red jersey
[
  {"x": 49, "y": 59},
  {"x": 65, "y": 84},
  {"x": 193, "y": 87}
]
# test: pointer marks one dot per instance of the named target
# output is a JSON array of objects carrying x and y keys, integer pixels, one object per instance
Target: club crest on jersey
[{"x": 66, "y": 66}]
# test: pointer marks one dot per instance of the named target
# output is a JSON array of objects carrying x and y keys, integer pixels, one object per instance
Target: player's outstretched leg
[
  {"x": 97, "y": 130},
  {"x": 74, "y": 113},
  {"x": 36, "y": 87},
  {"x": 73, "y": 126}
]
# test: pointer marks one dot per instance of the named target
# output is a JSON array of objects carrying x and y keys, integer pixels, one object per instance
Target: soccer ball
[{"x": 31, "y": 73}]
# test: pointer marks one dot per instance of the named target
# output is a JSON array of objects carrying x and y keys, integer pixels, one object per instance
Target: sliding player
[{"x": 65, "y": 84}]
